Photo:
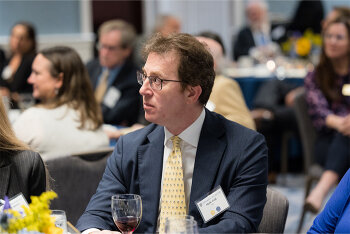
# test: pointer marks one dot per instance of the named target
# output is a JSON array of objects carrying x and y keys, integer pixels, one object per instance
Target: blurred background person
[
  {"x": 13, "y": 79},
  {"x": 329, "y": 108},
  {"x": 336, "y": 12},
  {"x": 226, "y": 97},
  {"x": 2, "y": 60},
  {"x": 254, "y": 38},
  {"x": 308, "y": 15},
  {"x": 22, "y": 170},
  {"x": 68, "y": 119},
  {"x": 113, "y": 74},
  {"x": 166, "y": 25}
]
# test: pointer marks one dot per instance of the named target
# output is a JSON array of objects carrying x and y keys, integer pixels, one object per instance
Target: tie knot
[{"x": 176, "y": 141}]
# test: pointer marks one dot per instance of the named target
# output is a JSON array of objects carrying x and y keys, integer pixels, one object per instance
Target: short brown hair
[
  {"x": 128, "y": 33},
  {"x": 196, "y": 65},
  {"x": 76, "y": 90}
]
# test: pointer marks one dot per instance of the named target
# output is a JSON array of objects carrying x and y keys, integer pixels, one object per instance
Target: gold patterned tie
[
  {"x": 102, "y": 86},
  {"x": 173, "y": 200}
]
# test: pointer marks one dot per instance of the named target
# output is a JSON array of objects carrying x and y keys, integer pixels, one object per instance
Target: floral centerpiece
[
  {"x": 36, "y": 218},
  {"x": 302, "y": 45}
]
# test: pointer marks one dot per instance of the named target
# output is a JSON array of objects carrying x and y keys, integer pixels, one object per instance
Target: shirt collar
[{"x": 190, "y": 134}]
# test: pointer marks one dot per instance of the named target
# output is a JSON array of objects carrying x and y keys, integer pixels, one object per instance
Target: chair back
[
  {"x": 75, "y": 180},
  {"x": 306, "y": 129},
  {"x": 275, "y": 213}
]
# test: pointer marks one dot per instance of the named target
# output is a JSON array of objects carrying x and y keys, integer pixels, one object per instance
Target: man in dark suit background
[
  {"x": 113, "y": 75},
  {"x": 256, "y": 34},
  {"x": 216, "y": 153}
]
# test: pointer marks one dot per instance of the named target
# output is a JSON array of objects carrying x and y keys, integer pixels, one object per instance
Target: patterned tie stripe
[{"x": 173, "y": 200}]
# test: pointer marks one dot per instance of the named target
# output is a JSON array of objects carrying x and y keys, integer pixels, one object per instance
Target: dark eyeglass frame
[{"x": 155, "y": 82}]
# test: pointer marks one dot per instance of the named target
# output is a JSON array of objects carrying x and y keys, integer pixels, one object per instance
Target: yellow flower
[
  {"x": 303, "y": 46},
  {"x": 37, "y": 216}
]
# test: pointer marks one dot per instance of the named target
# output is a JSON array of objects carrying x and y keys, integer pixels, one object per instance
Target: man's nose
[{"x": 145, "y": 88}]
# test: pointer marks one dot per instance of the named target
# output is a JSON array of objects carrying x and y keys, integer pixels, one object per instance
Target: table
[
  {"x": 250, "y": 79},
  {"x": 251, "y": 85}
]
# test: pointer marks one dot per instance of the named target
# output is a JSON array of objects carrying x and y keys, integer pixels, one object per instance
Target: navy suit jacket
[
  {"x": 126, "y": 110},
  {"x": 243, "y": 43},
  {"x": 228, "y": 154}
]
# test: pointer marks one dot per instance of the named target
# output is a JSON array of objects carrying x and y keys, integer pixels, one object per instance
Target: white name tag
[
  {"x": 17, "y": 202},
  {"x": 213, "y": 204},
  {"x": 111, "y": 97}
]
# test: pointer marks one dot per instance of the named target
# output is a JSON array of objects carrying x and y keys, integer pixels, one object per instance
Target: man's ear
[{"x": 193, "y": 93}]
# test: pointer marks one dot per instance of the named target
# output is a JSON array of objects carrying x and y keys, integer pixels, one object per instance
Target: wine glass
[
  {"x": 181, "y": 224},
  {"x": 126, "y": 212}
]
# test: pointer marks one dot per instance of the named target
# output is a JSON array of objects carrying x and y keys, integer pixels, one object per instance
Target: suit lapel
[
  {"x": 150, "y": 157},
  {"x": 209, "y": 153}
]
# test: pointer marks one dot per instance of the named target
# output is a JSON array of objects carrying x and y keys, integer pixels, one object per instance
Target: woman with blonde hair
[
  {"x": 21, "y": 170},
  {"x": 68, "y": 119}
]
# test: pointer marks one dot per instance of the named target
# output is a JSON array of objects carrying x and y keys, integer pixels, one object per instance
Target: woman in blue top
[{"x": 335, "y": 218}]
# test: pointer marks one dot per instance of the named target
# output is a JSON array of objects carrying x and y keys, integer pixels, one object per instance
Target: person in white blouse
[{"x": 68, "y": 119}]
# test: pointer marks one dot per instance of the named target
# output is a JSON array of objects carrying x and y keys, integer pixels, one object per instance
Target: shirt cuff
[{"x": 87, "y": 231}]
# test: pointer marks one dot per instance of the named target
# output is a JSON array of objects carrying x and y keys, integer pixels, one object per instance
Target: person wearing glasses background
[
  {"x": 176, "y": 82},
  {"x": 327, "y": 95},
  {"x": 113, "y": 74}
]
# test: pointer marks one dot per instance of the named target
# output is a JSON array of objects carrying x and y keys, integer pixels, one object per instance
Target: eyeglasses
[
  {"x": 109, "y": 48},
  {"x": 155, "y": 82}
]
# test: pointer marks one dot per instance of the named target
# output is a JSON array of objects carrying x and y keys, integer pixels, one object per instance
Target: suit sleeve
[
  {"x": 247, "y": 192},
  {"x": 98, "y": 212}
]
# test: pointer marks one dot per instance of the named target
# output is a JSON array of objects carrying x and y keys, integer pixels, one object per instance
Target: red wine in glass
[
  {"x": 127, "y": 224},
  {"x": 126, "y": 211}
]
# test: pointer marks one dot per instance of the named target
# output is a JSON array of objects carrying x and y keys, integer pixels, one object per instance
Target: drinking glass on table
[
  {"x": 126, "y": 212},
  {"x": 181, "y": 224},
  {"x": 60, "y": 219}
]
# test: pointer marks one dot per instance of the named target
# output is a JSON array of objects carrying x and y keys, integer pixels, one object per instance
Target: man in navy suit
[
  {"x": 120, "y": 101},
  {"x": 217, "y": 154}
]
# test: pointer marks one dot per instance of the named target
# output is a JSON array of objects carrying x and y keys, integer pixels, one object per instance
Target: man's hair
[
  {"x": 196, "y": 65},
  {"x": 216, "y": 37},
  {"x": 128, "y": 33},
  {"x": 76, "y": 90}
]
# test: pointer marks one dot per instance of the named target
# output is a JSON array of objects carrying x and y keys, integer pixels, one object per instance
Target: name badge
[
  {"x": 16, "y": 203},
  {"x": 111, "y": 97},
  {"x": 346, "y": 90},
  {"x": 213, "y": 204}
]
